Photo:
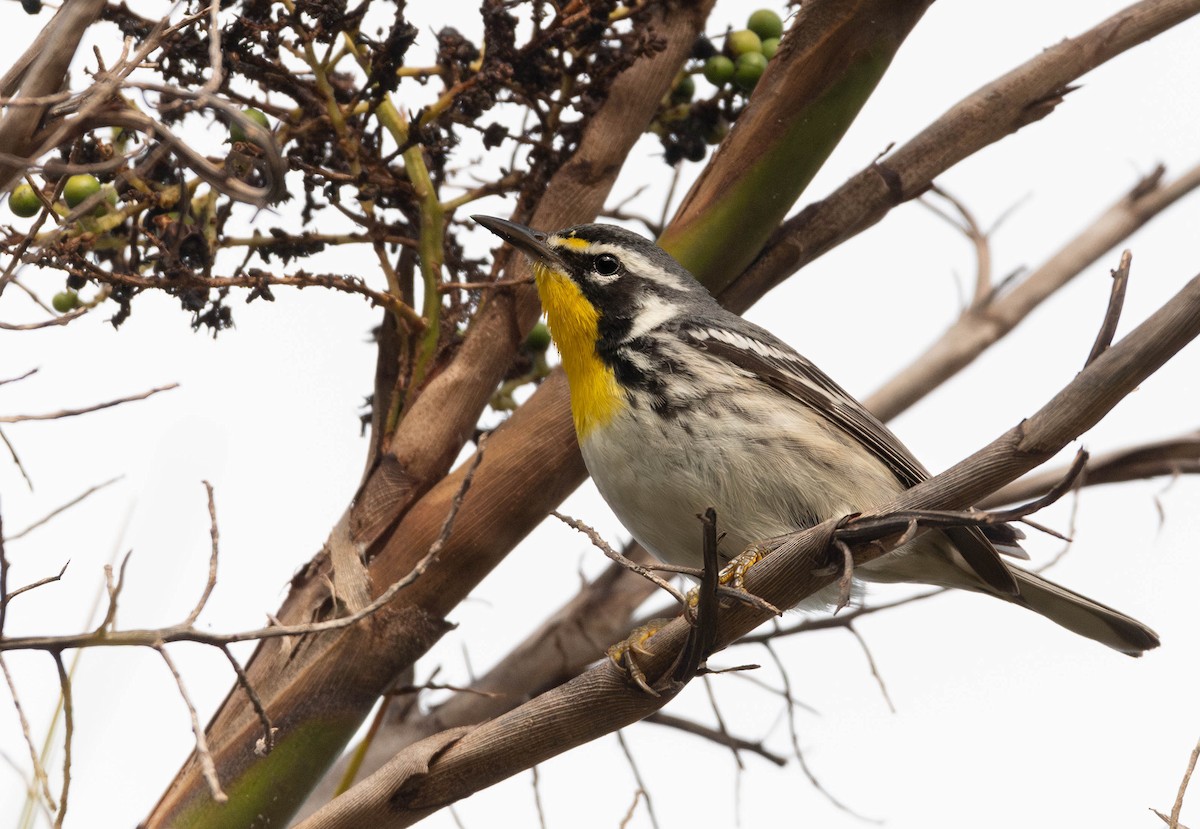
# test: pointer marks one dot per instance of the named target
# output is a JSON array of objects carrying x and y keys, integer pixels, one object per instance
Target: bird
[{"x": 680, "y": 405}]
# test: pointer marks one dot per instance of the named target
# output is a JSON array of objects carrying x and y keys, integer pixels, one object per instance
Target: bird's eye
[{"x": 606, "y": 264}]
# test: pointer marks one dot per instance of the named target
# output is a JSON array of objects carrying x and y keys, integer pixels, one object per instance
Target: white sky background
[{"x": 1002, "y": 718}]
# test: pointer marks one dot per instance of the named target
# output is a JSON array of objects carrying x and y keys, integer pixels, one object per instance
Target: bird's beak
[{"x": 530, "y": 242}]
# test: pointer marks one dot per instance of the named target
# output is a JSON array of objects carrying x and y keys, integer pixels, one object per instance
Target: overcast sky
[{"x": 1001, "y": 718}]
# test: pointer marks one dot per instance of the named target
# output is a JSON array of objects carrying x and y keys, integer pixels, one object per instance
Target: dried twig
[
  {"x": 211, "y": 581},
  {"x": 39, "y": 771},
  {"x": 637, "y": 777},
  {"x": 794, "y": 733},
  {"x": 12, "y": 452},
  {"x": 874, "y": 668},
  {"x": 604, "y": 547},
  {"x": 975, "y": 234},
  {"x": 1116, "y": 301},
  {"x": 209, "y": 768},
  {"x": 68, "y": 708},
  {"x": 63, "y": 508},
  {"x": 267, "y": 742},
  {"x": 33, "y": 585},
  {"x": 537, "y": 796},
  {"x": 830, "y": 622},
  {"x": 87, "y": 409},
  {"x": 720, "y": 737},
  {"x": 721, "y": 726},
  {"x": 1173, "y": 822},
  {"x": 106, "y": 636}
]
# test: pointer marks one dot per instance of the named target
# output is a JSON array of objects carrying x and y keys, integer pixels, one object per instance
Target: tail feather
[{"x": 1081, "y": 615}]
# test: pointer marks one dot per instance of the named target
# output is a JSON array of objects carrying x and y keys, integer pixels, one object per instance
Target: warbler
[{"x": 680, "y": 405}]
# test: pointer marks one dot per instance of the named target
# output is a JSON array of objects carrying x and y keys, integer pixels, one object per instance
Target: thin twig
[
  {"x": 604, "y": 547},
  {"x": 61, "y": 509},
  {"x": 721, "y": 726},
  {"x": 720, "y": 737},
  {"x": 114, "y": 593},
  {"x": 33, "y": 585},
  {"x": 12, "y": 451},
  {"x": 830, "y": 622},
  {"x": 87, "y": 409},
  {"x": 1173, "y": 823},
  {"x": 795, "y": 736},
  {"x": 637, "y": 777},
  {"x": 19, "y": 378},
  {"x": 537, "y": 796},
  {"x": 211, "y": 581},
  {"x": 207, "y": 766},
  {"x": 1112, "y": 315},
  {"x": 976, "y": 235},
  {"x": 68, "y": 708},
  {"x": 39, "y": 771},
  {"x": 874, "y": 668},
  {"x": 638, "y": 794},
  {"x": 267, "y": 743}
]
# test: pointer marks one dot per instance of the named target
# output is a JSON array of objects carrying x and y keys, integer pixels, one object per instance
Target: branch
[
  {"x": 1173, "y": 456},
  {"x": 87, "y": 409},
  {"x": 400, "y": 507},
  {"x": 601, "y": 700},
  {"x": 719, "y": 737},
  {"x": 61, "y": 509},
  {"x": 1173, "y": 822},
  {"x": 980, "y": 326},
  {"x": 1023, "y": 96}
]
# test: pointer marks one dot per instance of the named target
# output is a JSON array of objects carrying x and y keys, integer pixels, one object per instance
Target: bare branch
[
  {"x": 87, "y": 409},
  {"x": 719, "y": 737},
  {"x": 874, "y": 668},
  {"x": 12, "y": 451},
  {"x": 211, "y": 581},
  {"x": 68, "y": 708},
  {"x": 1116, "y": 301},
  {"x": 268, "y": 738},
  {"x": 976, "y": 235},
  {"x": 202, "y": 752},
  {"x": 601, "y": 700},
  {"x": 979, "y": 328},
  {"x": 1173, "y": 456},
  {"x": 39, "y": 771},
  {"x": 61, "y": 509},
  {"x": 1173, "y": 823},
  {"x": 794, "y": 733},
  {"x": 637, "y": 776},
  {"x": 1023, "y": 96},
  {"x": 33, "y": 585},
  {"x": 604, "y": 547}
]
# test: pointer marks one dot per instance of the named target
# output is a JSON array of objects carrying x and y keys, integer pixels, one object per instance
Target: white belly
[{"x": 762, "y": 477}]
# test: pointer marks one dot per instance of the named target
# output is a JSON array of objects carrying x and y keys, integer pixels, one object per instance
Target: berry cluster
[
  {"x": 686, "y": 125},
  {"x": 25, "y": 202}
]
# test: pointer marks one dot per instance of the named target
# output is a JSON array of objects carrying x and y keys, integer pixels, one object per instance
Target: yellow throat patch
[{"x": 574, "y": 324}]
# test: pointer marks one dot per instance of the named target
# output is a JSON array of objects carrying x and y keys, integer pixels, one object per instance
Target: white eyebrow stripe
[{"x": 634, "y": 262}]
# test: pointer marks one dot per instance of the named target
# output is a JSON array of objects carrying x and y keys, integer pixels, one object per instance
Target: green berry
[
  {"x": 715, "y": 132},
  {"x": 683, "y": 91},
  {"x": 743, "y": 42},
  {"x": 749, "y": 69},
  {"x": 539, "y": 338},
  {"x": 23, "y": 201},
  {"x": 766, "y": 24},
  {"x": 718, "y": 70},
  {"x": 80, "y": 187},
  {"x": 64, "y": 302},
  {"x": 238, "y": 133},
  {"x": 770, "y": 47}
]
